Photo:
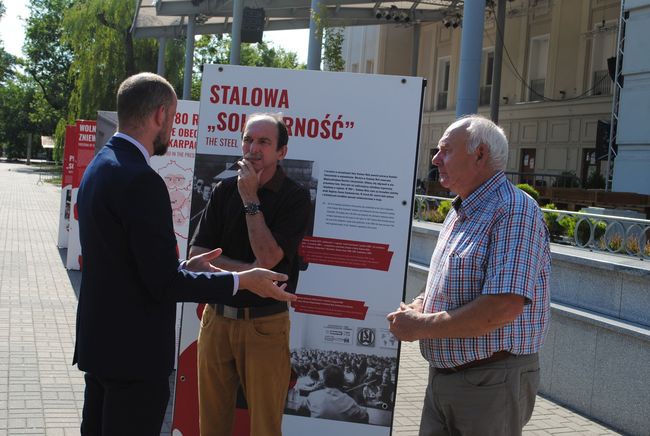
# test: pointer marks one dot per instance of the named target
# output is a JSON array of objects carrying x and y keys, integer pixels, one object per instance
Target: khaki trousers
[
  {"x": 253, "y": 353},
  {"x": 495, "y": 399}
]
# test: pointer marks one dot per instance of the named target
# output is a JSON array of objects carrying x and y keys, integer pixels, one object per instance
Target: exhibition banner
[
  {"x": 355, "y": 152},
  {"x": 176, "y": 168},
  {"x": 84, "y": 138},
  {"x": 67, "y": 176}
]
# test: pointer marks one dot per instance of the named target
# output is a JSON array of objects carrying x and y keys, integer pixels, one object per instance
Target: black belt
[
  {"x": 231, "y": 312},
  {"x": 499, "y": 355}
]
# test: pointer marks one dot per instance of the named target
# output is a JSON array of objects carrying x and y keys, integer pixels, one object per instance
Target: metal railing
[
  {"x": 565, "y": 180},
  {"x": 593, "y": 232},
  {"x": 536, "y": 91},
  {"x": 602, "y": 85}
]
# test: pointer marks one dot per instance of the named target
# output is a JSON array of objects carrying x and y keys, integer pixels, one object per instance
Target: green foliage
[
  {"x": 566, "y": 179},
  {"x": 444, "y": 208},
  {"x": 551, "y": 219},
  {"x": 595, "y": 181},
  {"x": 425, "y": 211},
  {"x": 48, "y": 57},
  {"x": 529, "y": 190},
  {"x": 104, "y": 53},
  {"x": 333, "y": 49},
  {"x": 215, "y": 49},
  {"x": 7, "y": 61},
  {"x": 17, "y": 96},
  {"x": 569, "y": 223}
]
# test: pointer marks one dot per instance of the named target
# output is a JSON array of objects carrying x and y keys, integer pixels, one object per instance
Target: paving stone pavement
[{"x": 42, "y": 394}]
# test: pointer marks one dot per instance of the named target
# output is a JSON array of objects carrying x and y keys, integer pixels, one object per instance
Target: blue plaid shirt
[{"x": 493, "y": 242}]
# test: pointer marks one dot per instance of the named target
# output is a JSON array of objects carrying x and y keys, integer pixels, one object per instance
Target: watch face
[{"x": 251, "y": 208}]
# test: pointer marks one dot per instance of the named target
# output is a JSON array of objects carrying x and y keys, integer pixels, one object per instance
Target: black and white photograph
[
  {"x": 342, "y": 386},
  {"x": 211, "y": 169}
]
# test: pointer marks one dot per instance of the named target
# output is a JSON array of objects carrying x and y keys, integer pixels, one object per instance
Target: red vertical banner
[
  {"x": 85, "y": 151},
  {"x": 85, "y": 134},
  {"x": 69, "y": 155}
]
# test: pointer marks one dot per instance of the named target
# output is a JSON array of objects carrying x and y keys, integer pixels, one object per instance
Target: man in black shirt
[{"x": 258, "y": 218}]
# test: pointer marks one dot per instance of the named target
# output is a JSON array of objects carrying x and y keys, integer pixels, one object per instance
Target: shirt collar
[
  {"x": 275, "y": 183},
  {"x": 480, "y": 196},
  {"x": 137, "y": 144}
]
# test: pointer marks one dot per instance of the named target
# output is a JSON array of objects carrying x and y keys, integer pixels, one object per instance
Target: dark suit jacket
[{"x": 130, "y": 279}]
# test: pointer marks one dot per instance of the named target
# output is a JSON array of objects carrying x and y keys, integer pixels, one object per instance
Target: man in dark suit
[{"x": 131, "y": 277}]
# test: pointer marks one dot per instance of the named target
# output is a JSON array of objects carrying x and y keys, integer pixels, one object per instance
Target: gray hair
[
  {"x": 481, "y": 130},
  {"x": 140, "y": 95}
]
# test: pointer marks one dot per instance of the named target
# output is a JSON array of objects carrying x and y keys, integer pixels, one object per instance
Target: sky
[{"x": 12, "y": 32}]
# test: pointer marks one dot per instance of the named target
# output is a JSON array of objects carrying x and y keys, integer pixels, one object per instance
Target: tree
[
  {"x": 48, "y": 58},
  {"x": 17, "y": 97},
  {"x": 7, "y": 61},
  {"x": 104, "y": 53},
  {"x": 333, "y": 49}
]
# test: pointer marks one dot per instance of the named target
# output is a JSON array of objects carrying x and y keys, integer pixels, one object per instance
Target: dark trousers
[{"x": 124, "y": 407}]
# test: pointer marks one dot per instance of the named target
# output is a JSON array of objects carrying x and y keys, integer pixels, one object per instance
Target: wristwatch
[{"x": 251, "y": 208}]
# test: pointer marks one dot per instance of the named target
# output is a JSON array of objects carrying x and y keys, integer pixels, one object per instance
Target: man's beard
[{"x": 159, "y": 145}]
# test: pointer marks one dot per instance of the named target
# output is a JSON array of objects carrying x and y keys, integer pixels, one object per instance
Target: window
[
  {"x": 537, "y": 67},
  {"x": 603, "y": 46},
  {"x": 487, "y": 65},
  {"x": 442, "y": 88}
]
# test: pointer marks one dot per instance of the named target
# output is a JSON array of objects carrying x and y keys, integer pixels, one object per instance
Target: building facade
[{"x": 555, "y": 82}]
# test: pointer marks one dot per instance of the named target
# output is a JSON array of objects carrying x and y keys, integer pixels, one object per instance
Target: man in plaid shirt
[{"x": 484, "y": 311}]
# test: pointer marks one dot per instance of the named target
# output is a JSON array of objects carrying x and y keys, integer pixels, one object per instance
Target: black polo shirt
[{"x": 286, "y": 207}]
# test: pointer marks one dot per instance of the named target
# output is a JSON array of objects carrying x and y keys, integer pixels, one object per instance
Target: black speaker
[
  {"x": 252, "y": 27},
  {"x": 611, "y": 68}
]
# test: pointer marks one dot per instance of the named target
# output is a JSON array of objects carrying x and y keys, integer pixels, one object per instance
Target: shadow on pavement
[{"x": 74, "y": 276}]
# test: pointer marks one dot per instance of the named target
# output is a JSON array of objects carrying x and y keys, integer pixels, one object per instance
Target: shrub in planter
[
  {"x": 529, "y": 190},
  {"x": 551, "y": 219}
]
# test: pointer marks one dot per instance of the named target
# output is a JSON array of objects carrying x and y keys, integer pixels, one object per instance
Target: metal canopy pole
[
  {"x": 189, "y": 59},
  {"x": 498, "y": 60},
  {"x": 162, "y": 42},
  {"x": 315, "y": 38},
  {"x": 235, "y": 34},
  {"x": 470, "y": 57},
  {"x": 415, "y": 47}
]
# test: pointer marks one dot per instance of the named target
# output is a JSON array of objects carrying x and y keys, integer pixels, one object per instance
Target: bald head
[{"x": 139, "y": 96}]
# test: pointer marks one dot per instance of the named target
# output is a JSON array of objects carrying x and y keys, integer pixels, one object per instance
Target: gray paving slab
[{"x": 42, "y": 394}]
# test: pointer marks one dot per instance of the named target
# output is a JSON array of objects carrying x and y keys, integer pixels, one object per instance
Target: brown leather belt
[
  {"x": 499, "y": 355},
  {"x": 231, "y": 312}
]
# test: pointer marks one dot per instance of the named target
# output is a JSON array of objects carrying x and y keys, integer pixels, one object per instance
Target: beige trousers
[
  {"x": 495, "y": 399},
  {"x": 253, "y": 353}
]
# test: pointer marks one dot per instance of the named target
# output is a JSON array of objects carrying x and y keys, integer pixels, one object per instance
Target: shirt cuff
[
  {"x": 235, "y": 283},
  {"x": 235, "y": 277}
]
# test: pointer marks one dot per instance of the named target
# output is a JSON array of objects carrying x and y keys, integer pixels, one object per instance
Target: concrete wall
[{"x": 596, "y": 358}]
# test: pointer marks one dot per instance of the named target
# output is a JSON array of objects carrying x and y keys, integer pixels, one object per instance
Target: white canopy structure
[{"x": 163, "y": 19}]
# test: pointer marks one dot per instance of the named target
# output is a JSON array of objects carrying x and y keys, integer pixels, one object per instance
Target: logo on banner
[{"x": 366, "y": 337}]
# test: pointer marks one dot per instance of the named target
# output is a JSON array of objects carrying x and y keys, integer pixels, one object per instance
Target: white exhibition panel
[
  {"x": 73, "y": 259},
  {"x": 176, "y": 168},
  {"x": 356, "y": 137}
]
